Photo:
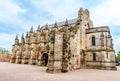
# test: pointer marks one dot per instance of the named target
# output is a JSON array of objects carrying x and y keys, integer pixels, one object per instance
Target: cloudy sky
[{"x": 17, "y": 16}]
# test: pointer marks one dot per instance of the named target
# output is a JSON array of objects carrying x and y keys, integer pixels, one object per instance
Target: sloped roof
[{"x": 72, "y": 21}]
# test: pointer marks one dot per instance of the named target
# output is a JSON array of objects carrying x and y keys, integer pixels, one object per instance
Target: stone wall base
[
  {"x": 18, "y": 61},
  {"x": 25, "y": 61},
  {"x": 12, "y": 60},
  {"x": 53, "y": 70},
  {"x": 32, "y": 61},
  {"x": 102, "y": 67}
]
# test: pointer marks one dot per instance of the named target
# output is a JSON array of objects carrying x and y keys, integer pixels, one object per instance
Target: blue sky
[{"x": 17, "y": 16}]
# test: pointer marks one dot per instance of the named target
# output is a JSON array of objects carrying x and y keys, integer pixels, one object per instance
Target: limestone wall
[
  {"x": 58, "y": 51},
  {"x": 97, "y": 45}
]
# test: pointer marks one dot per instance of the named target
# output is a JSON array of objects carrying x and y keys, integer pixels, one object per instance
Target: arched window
[
  {"x": 94, "y": 57},
  {"x": 93, "y": 41}
]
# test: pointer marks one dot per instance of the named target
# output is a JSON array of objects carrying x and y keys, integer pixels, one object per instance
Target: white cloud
[
  {"x": 60, "y": 9},
  {"x": 106, "y": 13},
  {"x": 6, "y": 40},
  {"x": 9, "y": 10},
  {"x": 9, "y": 14}
]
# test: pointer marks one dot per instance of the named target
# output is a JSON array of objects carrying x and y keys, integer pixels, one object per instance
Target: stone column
[
  {"x": 33, "y": 55},
  {"x": 13, "y": 57},
  {"x": 65, "y": 50},
  {"x": 55, "y": 55},
  {"x": 26, "y": 54},
  {"x": 19, "y": 55},
  {"x": 50, "y": 66}
]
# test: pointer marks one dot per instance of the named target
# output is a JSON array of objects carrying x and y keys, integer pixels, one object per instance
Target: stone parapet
[{"x": 97, "y": 29}]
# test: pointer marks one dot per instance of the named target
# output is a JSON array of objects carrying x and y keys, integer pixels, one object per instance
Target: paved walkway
[{"x": 20, "y": 72}]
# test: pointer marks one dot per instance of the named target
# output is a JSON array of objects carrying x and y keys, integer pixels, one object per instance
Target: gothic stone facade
[{"x": 67, "y": 46}]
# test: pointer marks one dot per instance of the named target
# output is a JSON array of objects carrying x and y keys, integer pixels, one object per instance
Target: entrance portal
[{"x": 44, "y": 59}]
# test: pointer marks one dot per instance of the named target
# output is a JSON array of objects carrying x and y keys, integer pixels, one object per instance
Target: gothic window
[
  {"x": 94, "y": 56},
  {"x": 93, "y": 41}
]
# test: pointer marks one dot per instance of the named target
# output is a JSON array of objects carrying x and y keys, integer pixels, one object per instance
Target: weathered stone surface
[{"x": 67, "y": 46}]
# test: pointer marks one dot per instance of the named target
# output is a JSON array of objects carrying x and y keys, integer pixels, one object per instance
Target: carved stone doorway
[{"x": 44, "y": 59}]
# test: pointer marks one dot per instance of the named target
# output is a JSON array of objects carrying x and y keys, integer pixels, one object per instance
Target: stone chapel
[{"x": 67, "y": 46}]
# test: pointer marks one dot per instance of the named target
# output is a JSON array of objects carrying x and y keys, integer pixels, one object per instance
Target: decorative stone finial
[
  {"x": 22, "y": 39},
  {"x": 55, "y": 25},
  {"x": 46, "y": 27},
  {"x": 31, "y": 30},
  {"x": 22, "y": 35},
  {"x": 87, "y": 12},
  {"x": 80, "y": 12},
  {"x": 66, "y": 22},
  {"x": 38, "y": 29},
  {"x": 16, "y": 37},
  {"x": 27, "y": 35}
]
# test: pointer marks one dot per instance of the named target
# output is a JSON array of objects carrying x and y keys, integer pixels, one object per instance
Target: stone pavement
[{"x": 20, "y": 72}]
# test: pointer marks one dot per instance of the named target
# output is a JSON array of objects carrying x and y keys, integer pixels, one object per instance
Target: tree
[
  {"x": 118, "y": 56},
  {"x": 4, "y": 51}
]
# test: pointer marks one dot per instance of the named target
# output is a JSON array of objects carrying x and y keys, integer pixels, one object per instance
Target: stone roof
[{"x": 72, "y": 21}]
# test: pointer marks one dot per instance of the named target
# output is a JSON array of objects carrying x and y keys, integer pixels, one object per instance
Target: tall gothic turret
[
  {"x": 31, "y": 31},
  {"x": 46, "y": 31},
  {"x": 16, "y": 39},
  {"x": 66, "y": 23},
  {"x": 84, "y": 17},
  {"x": 38, "y": 33},
  {"x": 38, "y": 29},
  {"x": 55, "y": 27},
  {"x": 27, "y": 38},
  {"x": 23, "y": 39},
  {"x": 66, "y": 26}
]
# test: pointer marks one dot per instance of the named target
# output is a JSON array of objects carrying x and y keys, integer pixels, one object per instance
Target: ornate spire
[
  {"x": 31, "y": 30},
  {"x": 46, "y": 27},
  {"x": 66, "y": 22},
  {"x": 80, "y": 15},
  {"x": 38, "y": 29},
  {"x": 55, "y": 25},
  {"x": 22, "y": 35},
  {"x": 16, "y": 37},
  {"x": 22, "y": 39},
  {"x": 27, "y": 35},
  {"x": 87, "y": 12},
  {"x": 80, "y": 11}
]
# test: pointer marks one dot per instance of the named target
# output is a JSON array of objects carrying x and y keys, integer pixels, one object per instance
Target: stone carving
[{"x": 66, "y": 46}]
